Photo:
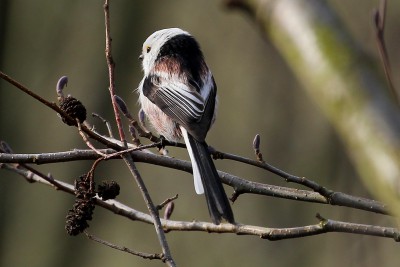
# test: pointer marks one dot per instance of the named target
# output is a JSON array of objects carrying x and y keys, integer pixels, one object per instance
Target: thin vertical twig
[
  {"x": 111, "y": 70},
  {"x": 127, "y": 157}
]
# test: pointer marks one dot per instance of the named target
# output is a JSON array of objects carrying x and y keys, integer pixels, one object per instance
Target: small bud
[
  {"x": 62, "y": 82},
  {"x": 122, "y": 106},
  {"x": 168, "y": 210},
  {"x": 256, "y": 146},
  {"x": 256, "y": 142},
  {"x": 5, "y": 148},
  {"x": 74, "y": 108},
  {"x": 142, "y": 117}
]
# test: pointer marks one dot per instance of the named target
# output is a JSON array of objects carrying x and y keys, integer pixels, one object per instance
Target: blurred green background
[{"x": 43, "y": 40}]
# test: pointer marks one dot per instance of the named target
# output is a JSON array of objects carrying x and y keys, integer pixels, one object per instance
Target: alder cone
[{"x": 74, "y": 108}]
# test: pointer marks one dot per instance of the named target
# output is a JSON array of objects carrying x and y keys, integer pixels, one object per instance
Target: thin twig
[
  {"x": 53, "y": 106},
  {"x": 111, "y": 70},
  {"x": 87, "y": 141},
  {"x": 152, "y": 209},
  {"x": 158, "y": 256},
  {"x": 129, "y": 150},
  {"x": 287, "y": 176},
  {"x": 165, "y": 202},
  {"x": 106, "y": 122},
  {"x": 379, "y": 17},
  {"x": 331, "y": 197},
  {"x": 35, "y": 96}
]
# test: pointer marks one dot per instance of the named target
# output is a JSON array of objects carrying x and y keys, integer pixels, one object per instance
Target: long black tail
[{"x": 217, "y": 201}]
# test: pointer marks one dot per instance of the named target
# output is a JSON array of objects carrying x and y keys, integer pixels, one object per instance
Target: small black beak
[{"x": 141, "y": 57}]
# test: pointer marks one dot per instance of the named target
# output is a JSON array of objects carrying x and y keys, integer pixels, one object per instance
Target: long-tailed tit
[{"x": 179, "y": 97}]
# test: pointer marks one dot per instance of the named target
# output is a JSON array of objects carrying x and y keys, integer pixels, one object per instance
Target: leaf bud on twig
[
  {"x": 142, "y": 117},
  {"x": 256, "y": 147},
  {"x": 168, "y": 210},
  {"x": 62, "y": 82},
  {"x": 122, "y": 107}
]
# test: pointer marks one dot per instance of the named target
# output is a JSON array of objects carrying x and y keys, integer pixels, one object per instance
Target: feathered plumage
[{"x": 179, "y": 96}]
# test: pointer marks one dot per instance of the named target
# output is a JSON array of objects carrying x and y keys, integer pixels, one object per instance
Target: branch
[
  {"x": 111, "y": 68},
  {"x": 240, "y": 185},
  {"x": 331, "y": 197},
  {"x": 324, "y": 225},
  {"x": 109, "y": 142},
  {"x": 152, "y": 209}
]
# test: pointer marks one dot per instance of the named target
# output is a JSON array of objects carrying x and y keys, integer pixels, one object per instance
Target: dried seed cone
[
  {"x": 108, "y": 190},
  {"x": 82, "y": 211},
  {"x": 74, "y": 108}
]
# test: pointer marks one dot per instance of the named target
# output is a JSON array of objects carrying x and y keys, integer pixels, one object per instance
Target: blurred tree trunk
[{"x": 344, "y": 83}]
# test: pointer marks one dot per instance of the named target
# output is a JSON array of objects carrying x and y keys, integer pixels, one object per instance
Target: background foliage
[{"x": 43, "y": 40}]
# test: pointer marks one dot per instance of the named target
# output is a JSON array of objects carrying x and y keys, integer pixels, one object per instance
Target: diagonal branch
[
  {"x": 92, "y": 134},
  {"x": 152, "y": 209}
]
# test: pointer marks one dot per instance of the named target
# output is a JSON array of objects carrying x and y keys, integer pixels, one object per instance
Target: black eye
[{"x": 148, "y": 48}]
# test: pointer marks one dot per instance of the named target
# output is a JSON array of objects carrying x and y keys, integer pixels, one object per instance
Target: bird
[{"x": 178, "y": 95}]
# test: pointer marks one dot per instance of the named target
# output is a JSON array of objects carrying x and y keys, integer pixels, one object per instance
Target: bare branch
[
  {"x": 152, "y": 209},
  {"x": 111, "y": 70},
  {"x": 158, "y": 256},
  {"x": 87, "y": 141},
  {"x": 166, "y": 202},
  {"x": 92, "y": 134},
  {"x": 324, "y": 225},
  {"x": 106, "y": 122},
  {"x": 240, "y": 185}
]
